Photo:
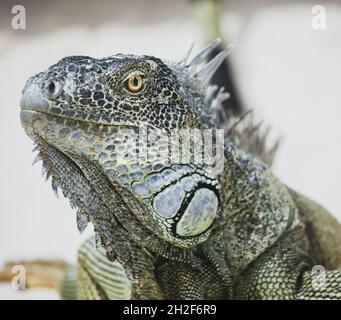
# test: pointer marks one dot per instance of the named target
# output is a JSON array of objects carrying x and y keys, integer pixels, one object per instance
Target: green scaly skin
[{"x": 179, "y": 231}]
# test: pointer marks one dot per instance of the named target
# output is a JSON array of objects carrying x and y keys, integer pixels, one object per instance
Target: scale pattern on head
[
  {"x": 121, "y": 89},
  {"x": 91, "y": 111}
]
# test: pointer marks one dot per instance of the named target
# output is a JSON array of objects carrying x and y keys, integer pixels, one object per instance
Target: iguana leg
[
  {"x": 108, "y": 277},
  {"x": 96, "y": 276},
  {"x": 69, "y": 284},
  {"x": 283, "y": 273},
  {"x": 87, "y": 288}
]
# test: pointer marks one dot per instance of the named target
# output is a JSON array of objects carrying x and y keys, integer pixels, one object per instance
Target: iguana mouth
[{"x": 26, "y": 111}]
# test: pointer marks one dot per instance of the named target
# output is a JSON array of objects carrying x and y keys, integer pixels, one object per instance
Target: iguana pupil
[{"x": 135, "y": 83}]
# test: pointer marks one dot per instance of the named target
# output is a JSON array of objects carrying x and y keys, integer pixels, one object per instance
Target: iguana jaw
[
  {"x": 48, "y": 128},
  {"x": 27, "y": 114}
]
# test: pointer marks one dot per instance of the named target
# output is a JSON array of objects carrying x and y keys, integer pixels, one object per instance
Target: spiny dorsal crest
[{"x": 242, "y": 130}]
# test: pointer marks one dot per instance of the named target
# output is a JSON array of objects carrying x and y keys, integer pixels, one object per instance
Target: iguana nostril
[
  {"x": 53, "y": 89},
  {"x": 32, "y": 98}
]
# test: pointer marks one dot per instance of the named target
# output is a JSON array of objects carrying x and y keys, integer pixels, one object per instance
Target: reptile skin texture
[{"x": 164, "y": 228}]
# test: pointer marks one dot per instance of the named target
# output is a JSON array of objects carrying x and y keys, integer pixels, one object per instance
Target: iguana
[{"x": 177, "y": 229}]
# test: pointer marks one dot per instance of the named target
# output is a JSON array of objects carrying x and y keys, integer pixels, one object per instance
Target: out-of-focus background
[{"x": 284, "y": 68}]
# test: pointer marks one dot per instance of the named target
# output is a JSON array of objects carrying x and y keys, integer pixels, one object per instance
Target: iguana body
[{"x": 180, "y": 230}]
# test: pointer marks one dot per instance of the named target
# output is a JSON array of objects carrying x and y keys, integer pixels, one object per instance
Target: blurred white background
[{"x": 287, "y": 71}]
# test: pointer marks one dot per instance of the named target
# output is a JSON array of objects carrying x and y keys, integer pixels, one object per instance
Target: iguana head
[{"x": 93, "y": 113}]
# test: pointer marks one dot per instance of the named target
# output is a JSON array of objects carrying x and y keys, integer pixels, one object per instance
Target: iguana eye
[{"x": 135, "y": 83}]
